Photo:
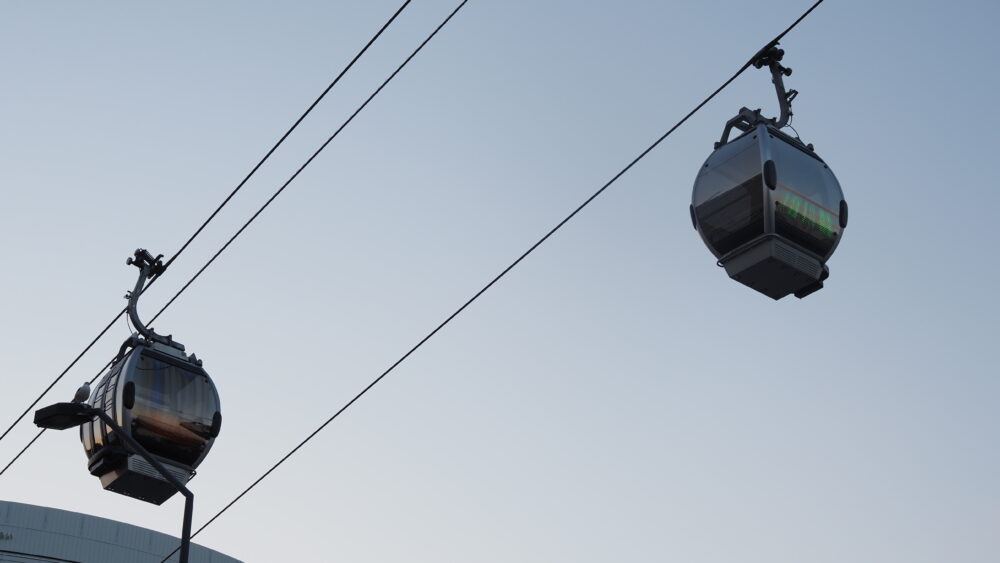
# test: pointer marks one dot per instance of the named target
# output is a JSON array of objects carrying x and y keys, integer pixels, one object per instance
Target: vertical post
[{"x": 186, "y": 527}]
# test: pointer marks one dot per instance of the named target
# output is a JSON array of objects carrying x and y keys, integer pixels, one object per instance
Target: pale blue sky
[{"x": 617, "y": 397}]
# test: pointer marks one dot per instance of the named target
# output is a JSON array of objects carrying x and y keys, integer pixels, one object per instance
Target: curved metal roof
[{"x": 31, "y": 533}]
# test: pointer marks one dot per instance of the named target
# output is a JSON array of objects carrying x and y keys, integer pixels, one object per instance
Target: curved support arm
[
  {"x": 188, "y": 495},
  {"x": 148, "y": 267},
  {"x": 62, "y": 416},
  {"x": 130, "y": 342},
  {"x": 770, "y": 56},
  {"x": 784, "y": 98}
]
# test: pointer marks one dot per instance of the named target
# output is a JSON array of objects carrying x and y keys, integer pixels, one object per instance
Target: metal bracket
[
  {"x": 130, "y": 343},
  {"x": 747, "y": 119},
  {"x": 744, "y": 121},
  {"x": 772, "y": 59},
  {"x": 148, "y": 267}
]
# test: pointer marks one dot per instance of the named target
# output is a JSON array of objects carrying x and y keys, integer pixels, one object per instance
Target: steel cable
[
  {"x": 498, "y": 277},
  {"x": 201, "y": 228}
]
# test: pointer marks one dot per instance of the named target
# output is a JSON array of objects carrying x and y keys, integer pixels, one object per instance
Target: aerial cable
[
  {"x": 289, "y": 132},
  {"x": 499, "y": 276},
  {"x": 24, "y": 449},
  {"x": 42, "y": 431},
  {"x": 308, "y": 161},
  {"x": 206, "y": 222}
]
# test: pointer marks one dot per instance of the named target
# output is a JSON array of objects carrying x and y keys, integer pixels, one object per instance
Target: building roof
[{"x": 37, "y": 533}]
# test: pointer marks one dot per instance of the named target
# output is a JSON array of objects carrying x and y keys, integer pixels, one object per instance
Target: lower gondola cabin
[{"x": 169, "y": 404}]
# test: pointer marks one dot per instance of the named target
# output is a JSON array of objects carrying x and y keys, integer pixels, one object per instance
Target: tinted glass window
[
  {"x": 98, "y": 428},
  {"x": 728, "y": 196},
  {"x": 807, "y": 200},
  {"x": 173, "y": 411},
  {"x": 87, "y": 429}
]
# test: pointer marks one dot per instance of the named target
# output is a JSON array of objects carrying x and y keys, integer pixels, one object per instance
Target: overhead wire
[
  {"x": 24, "y": 449},
  {"x": 370, "y": 42},
  {"x": 42, "y": 431},
  {"x": 499, "y": 276},
  {"x": 308, "y": 161},
  {"x": 205, "y": 223}
]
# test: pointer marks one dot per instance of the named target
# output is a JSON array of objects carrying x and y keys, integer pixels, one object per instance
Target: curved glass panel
[
  {"x": 87, "y": 428},
  {"x": 806, "y": 201},
  {"x": 98, "y": 427},
  {"x": 173, "y": 411},
  {"x": 110, "y": 407},
  {"x": 729, "y": 196},
  {"x": 87, "y": 437}
]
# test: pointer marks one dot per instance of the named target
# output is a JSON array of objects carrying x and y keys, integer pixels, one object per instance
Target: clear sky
[{"x": 617, "y": 397}]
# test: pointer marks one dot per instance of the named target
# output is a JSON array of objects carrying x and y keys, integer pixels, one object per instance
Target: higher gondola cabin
[
  {"x": 766, "y": 205},
  {"x": 168, "y": 403},
  {"x": 771, "y": 211}
]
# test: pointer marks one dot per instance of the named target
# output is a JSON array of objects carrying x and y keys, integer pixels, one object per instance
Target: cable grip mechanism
[
  {"x": 746, "y": 120},
  {"x": 148, "y": 268}
]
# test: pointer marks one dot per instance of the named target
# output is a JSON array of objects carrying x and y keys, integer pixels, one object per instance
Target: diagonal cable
[
  {"x": 289, "y": 132},
  {"x": 24, "y": 449},
  {"x": 306, "y": 163},
  {"x": 497, "y": 278},
  {"x": 39, "y": 435},
  {"x": 209, "y": 219}
]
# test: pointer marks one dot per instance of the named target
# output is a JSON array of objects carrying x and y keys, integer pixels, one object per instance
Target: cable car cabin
[
  {"x": 170, "y": 406},
  {"x": 770, "y": 210}
]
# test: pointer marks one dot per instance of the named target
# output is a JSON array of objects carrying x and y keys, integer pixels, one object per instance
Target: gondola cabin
[
  {"x": 770, "y": 210},
  {"x": 168, "y": 403}
]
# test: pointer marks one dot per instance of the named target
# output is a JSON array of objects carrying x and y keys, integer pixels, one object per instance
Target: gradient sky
[{"x": 617, "y": 397}]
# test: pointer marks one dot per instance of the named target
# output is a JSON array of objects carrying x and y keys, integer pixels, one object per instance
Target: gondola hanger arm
[
  {"x": 148, "y": 267},
  {"x": 770, "y": 56}
]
